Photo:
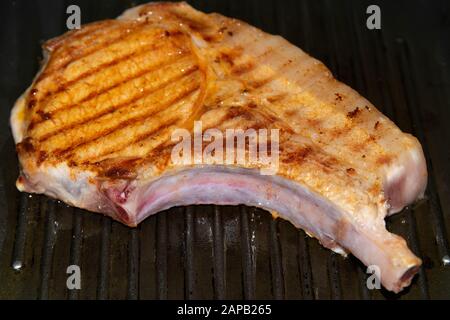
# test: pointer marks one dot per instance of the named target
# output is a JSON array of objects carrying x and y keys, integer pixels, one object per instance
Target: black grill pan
[{"x": 205, "y": 252}]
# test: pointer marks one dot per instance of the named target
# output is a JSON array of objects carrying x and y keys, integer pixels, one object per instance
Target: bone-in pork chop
[{"x": 95, "y": 130}]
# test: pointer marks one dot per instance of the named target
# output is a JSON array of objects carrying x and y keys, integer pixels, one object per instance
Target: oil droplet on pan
[
  {"x": 17, "y": 265},
  {"x": 446, "y": 261}
]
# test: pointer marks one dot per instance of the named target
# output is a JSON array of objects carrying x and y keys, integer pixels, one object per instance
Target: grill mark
[
  {"x": 71, "y": 149},
  {"x": 274, "y": 120},
  {"x": 249, "y": 66},
  {"x": 121, "y": 170},
  {"x": 239, "y": 34},
  {"x": 93, "y": 95},
  {"x": 266, "y": 49},
  {"x": 122, "y": 105},
  {"x": 267, "y": 52},
  {"x": 324, "y": 162},
  {"x": 231, "y": 114},
  {"x": 261, "y": 118},
  {"x": 44, "y": 115},
  {"x": 256, "y": 84},
  {"x": 243, "y": 68},
  {"x": 160, "y": 155},
  {"x": 229, "y": 55},
  {"x": 304, "y": 87},
  {"x": 277, "y": 98},
  {"x": 133, "y": 29}
]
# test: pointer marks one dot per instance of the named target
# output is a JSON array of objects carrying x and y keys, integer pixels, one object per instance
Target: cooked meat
[{"x": 94, "y": 130}]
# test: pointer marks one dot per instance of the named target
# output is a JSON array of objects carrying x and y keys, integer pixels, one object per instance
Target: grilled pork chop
[{"x": 94, "y": 130}]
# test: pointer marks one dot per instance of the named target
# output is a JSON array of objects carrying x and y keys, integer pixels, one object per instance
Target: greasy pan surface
[{"x": 206, "y": 252}]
